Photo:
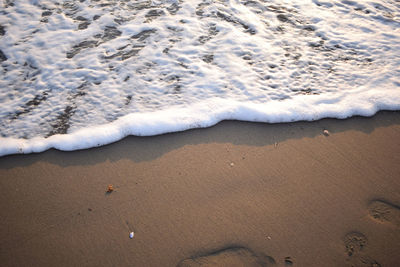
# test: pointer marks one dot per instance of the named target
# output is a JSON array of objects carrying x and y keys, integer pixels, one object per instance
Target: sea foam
[{"x": 76, "y": 75}]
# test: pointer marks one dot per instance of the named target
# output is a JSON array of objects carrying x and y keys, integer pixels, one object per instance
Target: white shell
[{"x": 131, "y": 235}]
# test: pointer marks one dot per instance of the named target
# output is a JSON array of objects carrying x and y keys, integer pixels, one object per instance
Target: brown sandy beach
[{"x": 236, "y": 194}]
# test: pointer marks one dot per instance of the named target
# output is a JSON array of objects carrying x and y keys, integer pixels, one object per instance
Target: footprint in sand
[
  {"x": 384, "y": 212},
  {"x": 355, "y": 243},
  {"x": 234, "y": 256}
]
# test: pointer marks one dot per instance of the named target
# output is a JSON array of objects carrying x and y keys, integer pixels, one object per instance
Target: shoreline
[
  {"x": 155, "y": 124},
  {"x": 237, "y": 192}
]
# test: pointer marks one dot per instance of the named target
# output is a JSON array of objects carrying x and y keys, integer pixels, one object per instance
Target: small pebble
[
  {"x": 326, "y": 132},
  {"x": 110, "y": 188},
  {"x": 232, "y": 164},
  {"x": 131, "y": 235}
]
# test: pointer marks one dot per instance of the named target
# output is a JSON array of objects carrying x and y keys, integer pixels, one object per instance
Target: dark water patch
[
  {"x": 255, "y": 6},
  {"x": 122, "y": 20},
  {"x": 143, "y": 69},
  {"x": 2, "y": 56},
  {"x": 31, "y": 71},
  {"x": 82, "y": 45},
  {"x": 282, "y": 18},
  {"x": 61, "y": 124},
  {"x": 212, "y": 31},
  {"x": 126, "y": 53},
  {"x": 45, "y": 17},
  {"x": 247, "y": 57},
  {"x": 280, "y": 29},
  {"x": 266, "y": 77},
  {"x": 2, "y": 30},
  {"x": 368, "y": 60},
  {"x": 110, "y": 32},
  {"x": 173, "y": 9},
  {"x": 173, "y": 81},
  {"x": 183, "y": 65},
  {"x": 46, "y": 13},
  {"x": 84, "y": 22},
  {"x": 280, "y": 9},
  {"x": 309, "y": 28},
  {"x": 174, "y": 40},
  {"x": 8, "y": 3},
  {"x": 316, "y": 44},
  {"x": 235, "y": 21},
  {"x": 177, "y": 88},
  {"x": 175, "y": 29},
  {"x": 106, "y": 4},
  {"x": 208, "y": 58},
  {"x": 204, "y": 38},
  {"x": 30, "y": 105},
  {"x": 36, "y": 101},
  {"x": 143, "y": 35},
  {"x": 80, "y": 18},
  {"x": 347, "y": 2},
  {"x": 140, "y": 5},
  {"x": 80, "y": 90},
  {"x": 339, "y": 53},
  {"x": 292, "y": 52},
  {"x": 70, "y": 8},
  {"x": 200, "y": 8},
  {"x": 83, "y": 25},
  {"x": 176, "y": 37},
  {"x": 172, "y": 78},
  {"x": 128, "y": 99},
  {"x": 305, "y": 91},
  {"x": 153, "y": 14},
  {"x": 133, "y": 52},
  {"x": 322, "y": 4}
]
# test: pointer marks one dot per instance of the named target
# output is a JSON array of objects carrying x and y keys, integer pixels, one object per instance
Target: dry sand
[{"x": 236, "y": 194}]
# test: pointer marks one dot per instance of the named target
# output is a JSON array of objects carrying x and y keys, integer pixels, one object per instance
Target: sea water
[{"x": 79, "y": 74}]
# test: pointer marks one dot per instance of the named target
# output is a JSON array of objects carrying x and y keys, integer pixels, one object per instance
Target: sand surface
[{"x": 236, "y": 194}]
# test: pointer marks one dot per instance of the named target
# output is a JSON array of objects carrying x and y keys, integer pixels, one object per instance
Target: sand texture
[{"x": 324, "y": 193}]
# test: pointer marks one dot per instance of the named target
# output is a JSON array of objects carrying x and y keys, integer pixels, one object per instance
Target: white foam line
[{"x": 205, "y": 115}]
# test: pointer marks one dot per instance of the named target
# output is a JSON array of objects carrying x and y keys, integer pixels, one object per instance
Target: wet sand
[{"x": 236, "y": 194}]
